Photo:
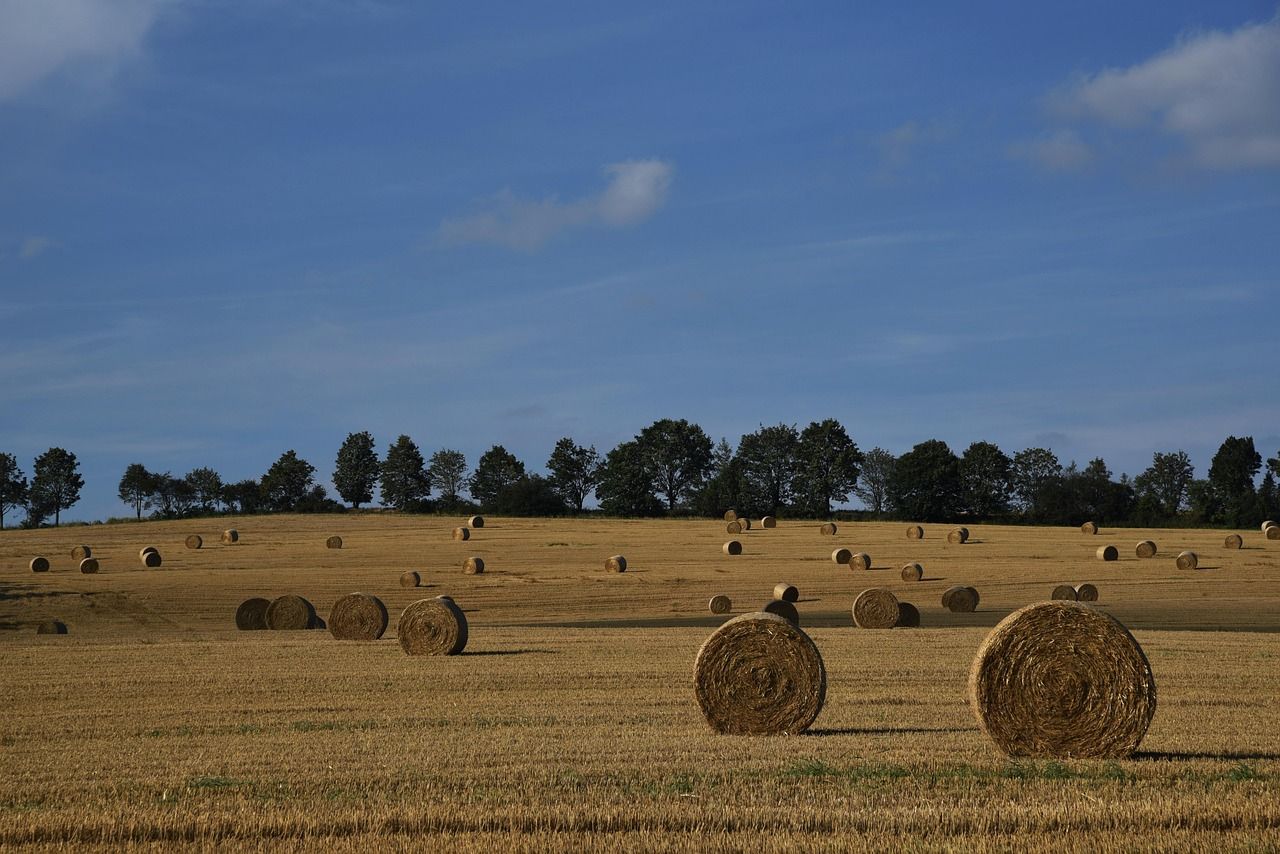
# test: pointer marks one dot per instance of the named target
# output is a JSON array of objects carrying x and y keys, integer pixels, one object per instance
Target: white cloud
[
  {"x": 636, "y": 190},
  {"x": 1058, "y": 151},
  {"x": 34, "y": 246},
  {"x": 1217, "y": 92},
  {"x": 897, "y": 146},
  {"x": 40, "y": 39}
]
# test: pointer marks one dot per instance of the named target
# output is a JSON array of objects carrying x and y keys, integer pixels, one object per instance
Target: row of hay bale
[
  {"x": 731, "y": 518},
  {"x": 956, "y": 536},
  {"x": 434, "y": 626},
  {"x": 1075, "y": 593}
]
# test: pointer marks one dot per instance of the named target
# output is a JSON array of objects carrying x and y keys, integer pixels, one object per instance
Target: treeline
[{"x": 672, "y": 467}]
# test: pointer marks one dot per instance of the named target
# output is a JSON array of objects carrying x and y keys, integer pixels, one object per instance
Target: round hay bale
[
  {"x": 912, "y": 572},
  {"x": 334, "y": 542},
  {"x": 1108, "y": 553},
  {"x": 1146, "y": 548},
  {"x": 151, "y": 559},
  {"x": 908, "y": 616},
  {"x": 759, "y": 674},
  {"x": 745, "y": 523},
  {"x": 828, "y": 529},
  {"x": 475, "y": 522},
  {"x": 733, "y": 547},
  {"x": 1234, "y": 541},
  {"x": 358, "y": 616},
  {"x": 734, "y": 527},
  {"x": 39, "y": 564},
  {"x": 473, "y": 566},
  {"x": 1089, "y": 528},
  {"x": 51, "y": 627},
  {"x": 730, "y": 515},
  {"x": 81, "y": 552},
  {"x": 290, "y": 613},
  {"x": 720, "y": 604},
  {"x": 1267, "y": 524},
  {"x": 769, "y": 522},
  {"x": 861, "y": 560},
  {"x": 1272, "y": 533},
  {"x": 1086, "y": 593},
  {"x": 230, "y": 536},
  {"x": 89, "y": 565},
  {"x": 875, "y": 608},
  {"x": 915, "y": 532},
  {"x": 616, "y": 563},
  {"x": 194, "y": 541},
  {"x": 786, "y": 592},
  {"x": 432, "y": 627},
  {"x": 960, "y": 600},
  {"x": 411, "y": 578},
  {"x": 1060, "y": 679},
  {"x": 958, "y": 536},
  {"x": 1187, "y": 560},
  {"x": 841, "y": 556},
  {"x": 462, "y": 534},
  {"x": 252, "y": 614},
  {"x": 783, "y": 609},
  {"x": 1065, "y": 592},
  {"x": 142, "y": 552}
]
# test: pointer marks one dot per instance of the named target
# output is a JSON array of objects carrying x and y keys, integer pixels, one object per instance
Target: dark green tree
[
  {"x": 287, "y": 482},
  {"x": 531, "y": 495},
  {"x": 243, "y": 496},
  {"x": 1034, "y": 470},
  {"x": 173, "y": 497},
  {"x": 724, "y": 488},
  {"x": 926, "y": 483},
  {"x": 828, "y": 463},
  {"x": 626, "y": 483},
  {"x": 1268, "y": 496},
  {"x": 448, "y": 473},
  {"x": 769, "y": 466},
  {"x": 206, "y": 488},
  {"x": 677, "y": 455},
  {"x": 1166, "y": 481},
  {"x": 13, "y": 486},
  {"x": 1101, "y": 498},
  {"x": 355, "y": 472},
  {"x": 137, "y": 487},
  {"x": 497, "y": 469},
  {"x": 1231, "y": 475},
  {"x": 404, "y": 475},
  {"x": 55, "y": 483},
  {"x": 575, "y": 471},
  {"x": 986, "y": 474},
  {"x": 872, "y": 486}
]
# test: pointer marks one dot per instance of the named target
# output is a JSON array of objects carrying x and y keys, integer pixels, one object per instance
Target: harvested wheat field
[{"x": 569, "y": 721}]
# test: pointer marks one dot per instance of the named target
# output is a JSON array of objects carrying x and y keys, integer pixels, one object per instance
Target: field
[{"x": 570, "y": 723}]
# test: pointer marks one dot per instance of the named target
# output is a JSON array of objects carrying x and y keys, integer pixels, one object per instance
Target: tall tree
[
  {"x": 497, "y": 469},
  {"x": 575, "y": 471},
  {"x": 872, "y": 487},
  {"x": 244, "y": 496},
  {"x": 926, "y": 483},
  {"x": 678, "y": 457},
  {"x": 404, "y": 475},
  {"x": 828, "y": 463},
  {"x": 626, "y": 483},
  {"x": 769, "y": 467},
  {"x": 985, "y": 473},
  {"x": 531, "y": 495},
  {"x": 1034, "y": 470},
  {"x": 137, "y": 487},
  {"x": 55, "y": 483},
  {"x": 1231, "y": 475},
  {"x": 1165, "y": 482},
  {"x": 287, "y": 482},
  {"x": 355, "y": 472},
  {"x": 724, "y": 488},
  {"x": 13, "y": 485},
  {"x": 205, "y": 485},
  {"x": 174, "y": 497},
  {"x": 448, "y": 473}
]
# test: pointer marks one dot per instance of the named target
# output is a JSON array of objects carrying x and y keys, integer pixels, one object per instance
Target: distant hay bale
[
  {"x": 150, "y": 559},
  {"x": 720, "y": 604},
  {"x": 733, "y": 547},
  {"x": 475, "y": 522},
  {"x": 410, "y": 579},
  {"x": 915, "y": 532},
  {"x": 462, "y": 534},
  {"x": 230, "y": 536},
  {"x": 432, "y": 627},
  {"x": 1146, "y": 548},
  {"x": 958, "y": 536},
  {"x": 730, "y": 515},
  {"x": 734, "y": 527},
  {"x": 786, "y": 592},
  {"x": 1108, "y": 553},
  {"x": 1089, "y": 528},
  {"x": 81, "y": 552},
  {"x": 759, "y": 674},
  {"x": 908, "y": 616},
  {"x": 473, "y": 566},
  {"x": 912, "y": 572},
  {"x": 745, "y": 523},
  {"x": 875, "y": 608},
  {"x": 1272, "y": 533},
  {"x": 358, "y": 616},
  {"x": 252, "y": 614},
  {"x": 142, "y": 552},
  {"x": 1267, "y": 524},
  {"x": 194, "y": 541},
  {"x": 1234, "y": 541},
  {"x": 783, "y": 609},
  {"x": 861, "y": 560},
  {"x": 1065, "y": 592},
  {"x": 1060, "y": 679},
  {"x": 334, "y": 542},
  {"x": 1086, "y": 593},
  {"x": 616, "y": 563},
  {"x": 841, "y": 556},
  {"x": 1187, "y": 560},
  {"x": 960, "y": 599},
  {"x": 290, "y": 613},
  {"x": 769, "y": 522},
  {"x": 828, "y": 529},
  {"x": 89, "y": 565},
  {"x": 39, "y": 564},
  {"x": 51, "y": 627}
]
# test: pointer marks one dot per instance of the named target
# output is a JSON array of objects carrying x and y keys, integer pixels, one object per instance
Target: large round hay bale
[
  {"x": 1233, "y": 541},
  {"x": 1086, "y": 593},
  {"x": 252, "y": 614},
  {"x": 81, "y": 552},
  {"x": 912, "y": 572},
  {"x": 473, "y": 566},
  {"x": 1064, "y": 680},
  {"x": 960, "y": 599},
  {"x": 231, "y": 535},
  {"x": 828, "y": 529},
  {"x": 860, "y": 560},
  {"x": 1089, "y": 528},
  {"x": 616, "y": 563},
  {"x": 958, "y": 536},
  {"x": 358, "y": 616},
  {"x": 51, "y": 627},
  {"x": 1108, "y": 553},
  {"x": 150, "y": 559},
  {"x": 39, "y": 564},
  {"x": 1187, "y": 560},
  {"x": 475, "y": 522},
  {"x": 759, "y": 674},
  {"x": 908, "y": 616},
  {"x": 745, "y": 523},
  {"x": 1267, "y": 524},
  {"x": 290, "y": 613},
  {"x": 734, "y": 527},
  {"x": 334, "y": 542},
  {"x": 786, "y": 592},
  {"x": 432, "y": 627},
  {"x": 1146, "y": 548},
  {"x": 733, "y": 547},
  {"x": 410, "y": 578},
  {"x": 1272, "y": 533},
  {"x": 841, "y": 556},
  {"x": 769, "y": 522},
  {"x": 720, "y": 604},
  {"x": 783, "y": 609},
  {"x": 89, "y": 565},
  {"x": 730, "y": 515},
  {"x": 462, "y": 534},
  {"x": 915, "y": 532},
  {"x": 194, "y": 541},
  {"x": 875, "y": 608},
  {"x": 1065, "y": 592}
]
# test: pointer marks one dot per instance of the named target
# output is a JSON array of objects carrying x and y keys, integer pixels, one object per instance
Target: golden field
[{"x": 570, "y": 723}]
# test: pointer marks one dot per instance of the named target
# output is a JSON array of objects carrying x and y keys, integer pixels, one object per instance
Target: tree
[
  {"x": 926, "y": 483},
  {"x": 206, "y": 488},
  {"x": 244, "y": 496},
  {"x": 575, "y": 471},
  {"x": 872, "y": 487},
  {"x": 725, "y": 488},
  {"x": 1033, "y": 470},
  {"x": 677, "y": 455},
  {"x": 1166, "y": 481},
  {"x": 496, "y": 470},
  {"x": 173, "y": 497},
  {"x": 55, "y": 483},
  {"x": 13, "y": 486},
  {"x": 137, "y": 487},
  {"x": 626, "y": 483},
  {"x": 531, "y": 495},
  {"x": 985, "y": 473},
  {"x": 448, "y": 473},
  {"x": 1231, "y": 477},
  {"x": 404, "y": 475},
  {"x": 828, "y": 464},
  {"x": 355, "y": 472},
  {"x": 769, "y": 467},
  {"x": 287, "y": 482},
  {"x": 1101, "y": 498}
]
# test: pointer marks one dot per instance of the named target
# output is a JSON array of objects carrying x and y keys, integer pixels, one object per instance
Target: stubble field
[{"x": 570, "y": 721}]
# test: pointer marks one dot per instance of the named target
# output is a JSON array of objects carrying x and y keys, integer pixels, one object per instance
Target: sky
[{"x": 230, "y": 228}]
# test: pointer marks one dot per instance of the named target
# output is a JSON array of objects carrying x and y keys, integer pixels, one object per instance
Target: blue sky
[{"x": 231, "y": 228}]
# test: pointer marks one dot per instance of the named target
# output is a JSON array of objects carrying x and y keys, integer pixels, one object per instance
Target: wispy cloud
[
  {"x": 636, "y": 190},
  {"x": 35, "y": 246},
  {"x": 897, "y": 147},
  {"x": 1061, "y": 150}
]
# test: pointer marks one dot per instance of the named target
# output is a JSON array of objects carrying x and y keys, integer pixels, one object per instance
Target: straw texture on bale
[
  {"x": 786, "y": 592},
  {"x": 828, "y": 529},
  {"x": 231, "y": 535},
  {"x": 51, "y": 627},
  {"x": 194, "y": 541},
  {"x": 89, "y": 565},
  {"x": 960, "y": 600},
  {"x": 1089, "y": 528},
  {"x": 875, "y": 608},
  {"x": 433, "y": 627},
  {"x": 252, "y": 614},
  {"x": 334, "y": 542},
  {"x": 1146, "y": 548},
  {"x": 290, "y": 613},
  {"x": 841, "y": 556},
  {"x": 81, "y": 552},
  {"x": 616, "y": 563},
  {"x": 39, "y": 564},
  {"x": 475, "y": 522},
  {"x": 358, "y": 616},
  {"x": 411, "y": 578},
  {"x": 733, "y": 547},
  {"x": 734, "y": 527},
  {"x": 783, "y": 609},
  {"x": 1108, "y": 553},
  {"x": 908, "y": 616},
  {"x": 1267, "y": 524},
  {"x": 1086, "y": 593},
  {"x": 769, "y": 522},
  {"x": 915, "y": 532},
  {"x": 912, "y": 572},
  {"x": 462, "y": 534},
  {"x": 759, "y": 674},
  {"x": 720, "y": 604},
  {"x": 151, "y": 559},
  {"x": 1234, "y": 541},
  {"x": 1187, "y": 560},
  {"x": 861, "y": 560},
  {"x": 958, "y": 536},
  {"x": 731, "y": 515},
  {"x": 1060, "y": 679},
  {"x": 1272, "y": 533},
  {"x": 745, "y": 523},
  {"x": 1065, "y": 592},
  {"x": 473, "y": 566}
]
